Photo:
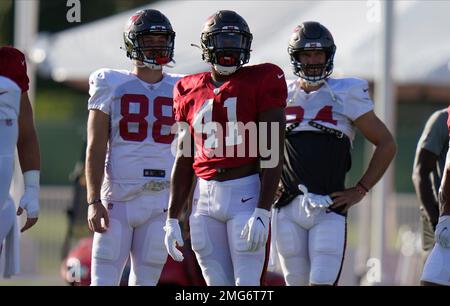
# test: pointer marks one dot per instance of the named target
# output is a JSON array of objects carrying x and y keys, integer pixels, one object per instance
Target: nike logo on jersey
[
  {"x": 280, "y": 75},
  {"x": 165, "y": 210},
  {"x": 366, "y": 89},
  {"x": 245, "y": 200},
  {"x": 23, "y": 63},
  {"x": 261, "y": 221},
  {"x": 1, "y": 93}
]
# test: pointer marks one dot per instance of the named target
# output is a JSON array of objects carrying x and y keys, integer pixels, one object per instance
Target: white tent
[{"x": 421, "y": 51}]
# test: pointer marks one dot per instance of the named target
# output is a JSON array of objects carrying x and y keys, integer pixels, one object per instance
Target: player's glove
[
  {"x": 442, "y": 233},
  {"x": 30, "y": 198},
  {"x": 311, "y": 202},
  {"x": 172, "y": 238},
  {"x": 256, "y": 230}
]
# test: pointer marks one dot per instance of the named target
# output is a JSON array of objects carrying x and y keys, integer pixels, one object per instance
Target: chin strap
[
  {"x": 222, "y": 70},
  {"x": 152, "y": 66}
]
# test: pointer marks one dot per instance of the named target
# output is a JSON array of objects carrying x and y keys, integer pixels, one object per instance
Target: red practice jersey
[
  {"x": 14, "y": 66},
  {"x": 248, "y": 92}
]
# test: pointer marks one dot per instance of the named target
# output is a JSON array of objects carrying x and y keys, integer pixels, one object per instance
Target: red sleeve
[
  {"x": 273, "y": 93},
  {"x": 14, "y": 67},
  {"x": 177, "y": 101}
]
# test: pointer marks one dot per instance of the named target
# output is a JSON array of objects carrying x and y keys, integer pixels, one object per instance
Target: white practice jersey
[
  {"x": 351, "y": 100},
  {"x": 141, "y": 117},
  {"x": 9, "y": 99}
]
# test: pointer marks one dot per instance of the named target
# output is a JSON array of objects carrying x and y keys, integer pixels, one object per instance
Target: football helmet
[
  {"x": 312, "y": 36},
  {"x": 225, "y": 42},
  {"x": 156, "y": 51}
]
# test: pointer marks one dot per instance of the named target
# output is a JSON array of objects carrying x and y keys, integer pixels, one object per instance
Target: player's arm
[
  {"x": 30, "y": 162},
  {"x": 374, "y": 130},
  {"x": 442, "y": 232},
  {"x": 256, "y": 230},
  {"x": 97, "y": 136},
  {"x": 270, "y": 177},
  {"x": 444, "y": 190},
  {"x": 27, "y": 143},
  {"x": 182, "y": 183},
  {"x": 424, "y": 164}
]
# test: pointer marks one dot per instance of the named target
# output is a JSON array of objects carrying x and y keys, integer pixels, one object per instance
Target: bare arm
[
  {"x": 423, "y": 166},
  {"x": 182, "y": 178},
  {"x": 27, "y": 143},
  {"x": 30, "y": 162},
  {"x": 377, "y": 133},
  {"x": 444, "y": 190},
  {"x": 98, "y": 134},
  {"x": 271, "y": 176}
]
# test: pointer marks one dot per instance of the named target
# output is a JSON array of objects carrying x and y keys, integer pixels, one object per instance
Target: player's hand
[
  {"x": 97, "y": 212},
  {"x": 256, "y": 230},
  {"x": 30, "y": 199},
  {"x": 346, "y": 199},
  {"x": 442, "y": 233},
  {"x": 172, "y": 238}
]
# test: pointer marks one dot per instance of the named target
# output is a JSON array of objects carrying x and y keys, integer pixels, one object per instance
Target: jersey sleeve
[
  {"x": 273, "y": 89},
  {"x": 9, "y": 99},
  {"x": 177, "y": 101},
  {"x": 13, "y": 66},
  {"x": 358, "y": 101},
  {"x": 100, "y": 92},
  {"x": 435, "y": 134}
]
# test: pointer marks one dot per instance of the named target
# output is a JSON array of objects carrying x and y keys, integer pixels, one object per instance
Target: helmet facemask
[
  {"x": 227, "y": 49},
  {"x": 314, "y": 74},
  {"x": 152, "y": 48}
]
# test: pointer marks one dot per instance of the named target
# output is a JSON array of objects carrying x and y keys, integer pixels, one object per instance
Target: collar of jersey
[
  {"x": 210, "y": 85},
  {"x": 154, "y": 85}
]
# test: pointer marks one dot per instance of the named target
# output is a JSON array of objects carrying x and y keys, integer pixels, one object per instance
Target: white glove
[
  {"x": 311, "y": 201},
  {"x": 256, "y": 230},
  {"x": 442, "y": 232},
  {"x": 172, "y": 238},
  {"x": 30, "y": 198},
  {"x": 319, "y": 201}
]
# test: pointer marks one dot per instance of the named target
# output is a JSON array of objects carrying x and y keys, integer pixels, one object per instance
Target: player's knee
[
  {"x": 248, "y": 280},
  {"x": 147, "y": 275},
  {"x": 295, "y": 270},
  {"x": 296, "y": 279},
  {"x": 214, "y": 274},
  {"x": 326, "y": 271},
  {"x": 104, "y": 274}
]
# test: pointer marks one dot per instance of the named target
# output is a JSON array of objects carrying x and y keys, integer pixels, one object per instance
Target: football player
[
  {"x": 437, "y": 267},
  {"x": 230, "y": 222},
  {"x": 309, "y": 223},
  {"x": 16, "y": 129},
  {"x": 128, "y": 155},
  {"x": 428, "y": 170}
]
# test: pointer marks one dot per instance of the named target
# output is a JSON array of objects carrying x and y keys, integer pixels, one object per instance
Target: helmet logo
[
  {"x": 158, "y": 27},
  {"x": 133, "y": 19},
  {"x": 230, "y": 28},
  {"x": 313, "y": 45}
]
